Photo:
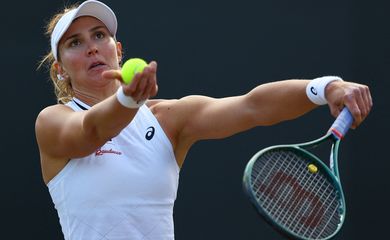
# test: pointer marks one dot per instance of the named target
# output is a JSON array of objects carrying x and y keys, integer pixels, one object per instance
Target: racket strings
[
  {"x": 325, "y": 192},
  {"x": 283, "y": 196},
  {"x": 298, "y": 208},
  {"x": 303, "y": 202}
]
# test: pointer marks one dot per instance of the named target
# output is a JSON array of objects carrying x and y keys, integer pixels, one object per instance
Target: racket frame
[{"x": 332, "y": 173}]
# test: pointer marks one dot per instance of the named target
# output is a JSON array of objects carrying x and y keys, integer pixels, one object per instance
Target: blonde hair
[{"x": 62, "y": 88}]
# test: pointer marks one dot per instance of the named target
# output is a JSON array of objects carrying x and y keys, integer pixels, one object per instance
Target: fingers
[
  {"x": 112, "y": 74},
  {"x": 351, "y": 101},
  {"x": 367, "y": 100},
  {"x": 335, "y": 110},
  {"x": 357, "y": 98},
  {"x": 144, "y": 84}
]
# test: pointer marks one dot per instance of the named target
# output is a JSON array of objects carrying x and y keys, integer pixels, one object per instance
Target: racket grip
[{"x": 342, "y": 123}]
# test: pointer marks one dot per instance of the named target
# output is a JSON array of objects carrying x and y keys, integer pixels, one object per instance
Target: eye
[
  {"x": 74, "y": 43},
  {"x": 100, "y": 35}
]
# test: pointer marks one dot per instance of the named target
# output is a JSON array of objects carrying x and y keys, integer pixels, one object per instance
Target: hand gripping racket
[{"x": 296, "y": 192}]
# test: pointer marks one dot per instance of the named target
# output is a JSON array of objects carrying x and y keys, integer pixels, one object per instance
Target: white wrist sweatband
[
  {"x": 127, "y": 101},
  {"x": 315, "y": 90}
]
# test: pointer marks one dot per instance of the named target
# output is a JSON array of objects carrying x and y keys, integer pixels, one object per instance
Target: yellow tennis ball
[
  {"x": 132, "y": 67},
  {"x": 312, "y": 168}
]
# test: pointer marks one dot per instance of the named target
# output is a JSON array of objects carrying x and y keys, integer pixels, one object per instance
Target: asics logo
[
  {"x": 150, "y": 133},
  {"x": 313, "y": 90}
]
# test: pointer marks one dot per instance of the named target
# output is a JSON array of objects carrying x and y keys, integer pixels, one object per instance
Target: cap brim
[
  {"x": 91, "y": 8},
  {"x": 100, "y": 11}
]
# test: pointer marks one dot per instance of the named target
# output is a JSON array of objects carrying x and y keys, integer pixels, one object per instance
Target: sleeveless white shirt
[{"x": 126, "y": 189}]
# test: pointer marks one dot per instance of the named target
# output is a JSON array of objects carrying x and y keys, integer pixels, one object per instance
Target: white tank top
[{"x": 124, "y": 190}]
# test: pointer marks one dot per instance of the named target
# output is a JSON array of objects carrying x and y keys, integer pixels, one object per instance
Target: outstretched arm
[{"x": 209, "y": 118}]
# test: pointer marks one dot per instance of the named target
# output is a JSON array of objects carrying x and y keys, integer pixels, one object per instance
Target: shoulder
[
  {"x": 172, "y": 116},
  {"x": 47, "y": 113},
  {"x": 50, "y": 117},
  {"x": 171, "y": 113},
  {"x": 175, "y": 114},
  {"x": 161, "y": 107}
]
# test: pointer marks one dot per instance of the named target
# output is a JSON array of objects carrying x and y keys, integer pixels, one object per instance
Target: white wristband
[
  {"x": 315, "y": 90},
  {"x": 127, "y": 101}
]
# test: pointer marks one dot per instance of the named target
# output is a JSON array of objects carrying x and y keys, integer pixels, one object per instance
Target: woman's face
[{"x": 86, "y": 50}]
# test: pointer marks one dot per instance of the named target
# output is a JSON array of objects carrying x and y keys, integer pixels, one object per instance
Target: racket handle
[{"x": 342, "y": 123}]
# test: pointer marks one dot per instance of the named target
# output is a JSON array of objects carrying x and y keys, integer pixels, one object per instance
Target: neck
[
  {"x": 86, "y": 98},
  {"x": 91, "y": 98}
]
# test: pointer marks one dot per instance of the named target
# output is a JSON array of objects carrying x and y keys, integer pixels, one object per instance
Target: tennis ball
[
  {"x": 132, "y": 67},
  {"x": 312, "y": 168}
]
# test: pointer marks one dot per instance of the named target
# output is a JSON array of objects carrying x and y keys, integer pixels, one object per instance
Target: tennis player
[{"x": 111, "y": 156}]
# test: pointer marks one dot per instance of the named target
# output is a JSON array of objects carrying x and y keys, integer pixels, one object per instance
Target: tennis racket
[{"x": 296, "y": 192}]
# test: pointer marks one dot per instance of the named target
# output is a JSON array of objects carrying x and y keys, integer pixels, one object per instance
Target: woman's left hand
[{"x": 356, "y": 97}]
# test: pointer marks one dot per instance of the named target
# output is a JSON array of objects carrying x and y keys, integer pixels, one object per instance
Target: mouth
[{"x": 96, "y": 65}]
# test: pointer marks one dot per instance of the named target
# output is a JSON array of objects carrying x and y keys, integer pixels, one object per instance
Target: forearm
[
  {"x": 279, "y": 101},
  {"x": 107, "y": 119},
  {"x": 267, "y": 104}
]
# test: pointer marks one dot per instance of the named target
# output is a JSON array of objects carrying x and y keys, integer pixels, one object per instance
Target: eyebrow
[{"x": 77, "y": 34}]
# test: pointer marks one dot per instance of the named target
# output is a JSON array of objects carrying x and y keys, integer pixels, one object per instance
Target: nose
[{"x": 92, "y": 49}]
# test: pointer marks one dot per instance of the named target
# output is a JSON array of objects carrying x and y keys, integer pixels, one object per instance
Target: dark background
[{"x": 216, "y": 48}]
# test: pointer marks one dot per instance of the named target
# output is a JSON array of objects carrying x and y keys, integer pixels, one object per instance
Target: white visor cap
[{"x": 91, "y": 8}]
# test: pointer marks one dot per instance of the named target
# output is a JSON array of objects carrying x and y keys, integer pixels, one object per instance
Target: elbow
[{"x": 92, "y": 131}]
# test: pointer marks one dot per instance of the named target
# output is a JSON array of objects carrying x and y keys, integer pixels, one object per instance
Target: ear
[
  {"x": 60, "y": 70},
  {"x": 119, "y": 51},
  {"x": 58, "y": 67}
]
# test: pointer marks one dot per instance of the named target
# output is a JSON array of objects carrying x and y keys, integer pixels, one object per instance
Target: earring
[{"x": 60, "y": 77}]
